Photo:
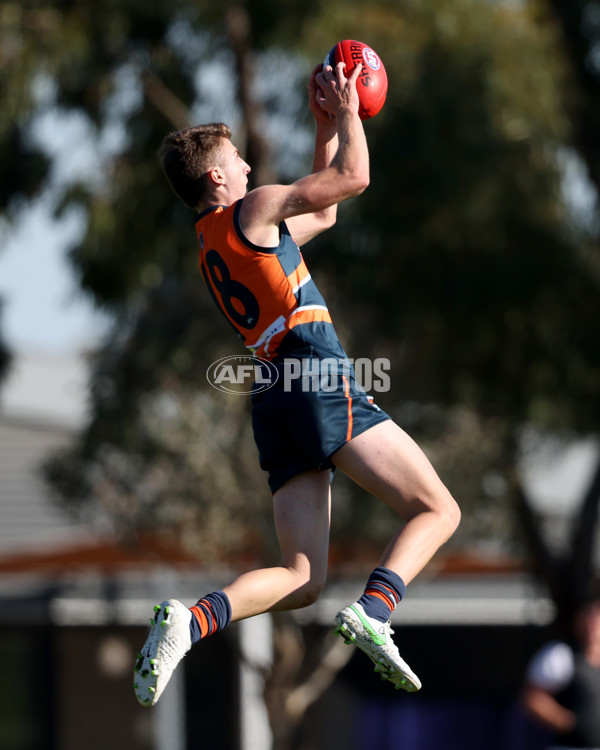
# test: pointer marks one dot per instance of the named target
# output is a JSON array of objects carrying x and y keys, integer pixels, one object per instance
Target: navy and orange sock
[
  {"x": 384, "y": 590},
  {"x": 211, "y": 614}
]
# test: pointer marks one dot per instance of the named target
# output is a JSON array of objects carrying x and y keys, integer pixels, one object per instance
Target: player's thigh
[
  {"x": 302, "y": 512},
  {"x": 387, "y": 462}
]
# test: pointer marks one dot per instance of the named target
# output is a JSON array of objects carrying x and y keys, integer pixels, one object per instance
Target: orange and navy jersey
[{"x": 267, "y": 294}]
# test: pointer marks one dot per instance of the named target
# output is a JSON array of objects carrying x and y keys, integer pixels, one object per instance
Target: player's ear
[{"x": 216, "y": 176}]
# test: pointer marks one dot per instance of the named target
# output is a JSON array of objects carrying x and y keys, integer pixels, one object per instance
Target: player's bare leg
[
  {"x": 302, "y": 517},
  {"x": 302, "y": 510},
  {"x": 386, "y": 462}
]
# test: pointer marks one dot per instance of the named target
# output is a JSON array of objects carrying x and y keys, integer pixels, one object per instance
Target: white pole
[
  {"x": 256, "y": 646},
  {"x": 169, "y": 714}
]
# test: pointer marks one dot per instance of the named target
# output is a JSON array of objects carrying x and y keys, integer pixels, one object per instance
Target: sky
[
  {"x": 42, "y": 310},
  {"x": 46, "y": 323}
]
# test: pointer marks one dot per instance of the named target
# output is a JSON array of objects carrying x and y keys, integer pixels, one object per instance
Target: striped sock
[
  {"x": 382, "y": 593},
  {"x": 211, "y": 614}
]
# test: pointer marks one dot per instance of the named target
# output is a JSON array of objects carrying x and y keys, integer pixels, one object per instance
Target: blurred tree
[
  {"x": 579, "y": 21},
  {"x": 468, "y": 258},
  {"x": 483, "y": 250},
  {"x": 462, "y": 247},
  {"x": 162, "y": 450},
  {"x": 5, "y": 356},
  {"x": 568, "y": 572}
]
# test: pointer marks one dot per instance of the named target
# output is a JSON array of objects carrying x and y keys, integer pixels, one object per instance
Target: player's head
[{"x": 188, "y": 155}]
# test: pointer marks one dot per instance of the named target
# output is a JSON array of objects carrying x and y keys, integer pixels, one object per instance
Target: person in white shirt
[{"x": 562, "y": 685}]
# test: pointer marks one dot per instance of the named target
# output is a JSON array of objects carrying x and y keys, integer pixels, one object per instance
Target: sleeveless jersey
[{"x": 267, "y": 294}]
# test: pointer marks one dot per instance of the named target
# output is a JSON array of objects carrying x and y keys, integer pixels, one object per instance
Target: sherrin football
[{"x": 372, "y": 82}]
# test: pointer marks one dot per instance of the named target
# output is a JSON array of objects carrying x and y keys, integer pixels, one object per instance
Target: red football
[{"x": 372, "y": 82}]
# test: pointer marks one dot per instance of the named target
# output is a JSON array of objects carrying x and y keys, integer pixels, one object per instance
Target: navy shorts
[{"x": 300, "y": 423}]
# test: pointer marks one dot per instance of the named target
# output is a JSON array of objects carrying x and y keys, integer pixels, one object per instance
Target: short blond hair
[{"x": 187, "y": 155}]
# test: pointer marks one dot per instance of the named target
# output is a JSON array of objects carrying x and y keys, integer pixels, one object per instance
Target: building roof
[
  {"x": 42, "y": 402},
  {"x": 46, "y": 388}
]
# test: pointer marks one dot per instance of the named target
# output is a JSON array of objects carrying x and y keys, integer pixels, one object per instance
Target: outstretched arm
[
  {"x": 346, "y": 174},
  {"x": 303, "y": 228}
]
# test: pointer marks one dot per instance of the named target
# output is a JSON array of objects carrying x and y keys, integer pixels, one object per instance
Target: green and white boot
[
  {"x": 374, "y": 638},
  {"x": 168, "y": 642}
]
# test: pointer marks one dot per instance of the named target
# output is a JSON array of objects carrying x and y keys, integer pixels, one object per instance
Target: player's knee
[
  {"x": 451, "y": 514},
  {"x": 444, "y": 509},
  {"x": 309, "y": 592}
]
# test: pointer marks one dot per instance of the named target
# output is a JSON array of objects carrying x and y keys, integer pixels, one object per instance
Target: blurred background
[{"x": 472, "y": 263}]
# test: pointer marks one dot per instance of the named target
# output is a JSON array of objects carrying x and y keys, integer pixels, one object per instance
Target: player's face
[{"x": 236, "y": 170}]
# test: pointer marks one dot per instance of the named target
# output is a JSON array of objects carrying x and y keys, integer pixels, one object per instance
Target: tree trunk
[
  {"x": 257, "y": 151},
  {"x": 569, "y": 576}
]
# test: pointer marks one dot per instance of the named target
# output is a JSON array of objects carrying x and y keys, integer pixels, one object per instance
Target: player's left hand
[{"x": 314, "y": 95}]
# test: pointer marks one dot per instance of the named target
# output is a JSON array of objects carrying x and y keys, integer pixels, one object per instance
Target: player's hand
[
  {"x": 336, "y": 92},
  {"x": 315, "y": 96}
]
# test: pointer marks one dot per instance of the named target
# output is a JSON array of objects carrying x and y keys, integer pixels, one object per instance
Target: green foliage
[
  {"x": 579, "y": 21},
  {"x": 461, "y": 262},
  {"x": 462, "y": 249}
]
